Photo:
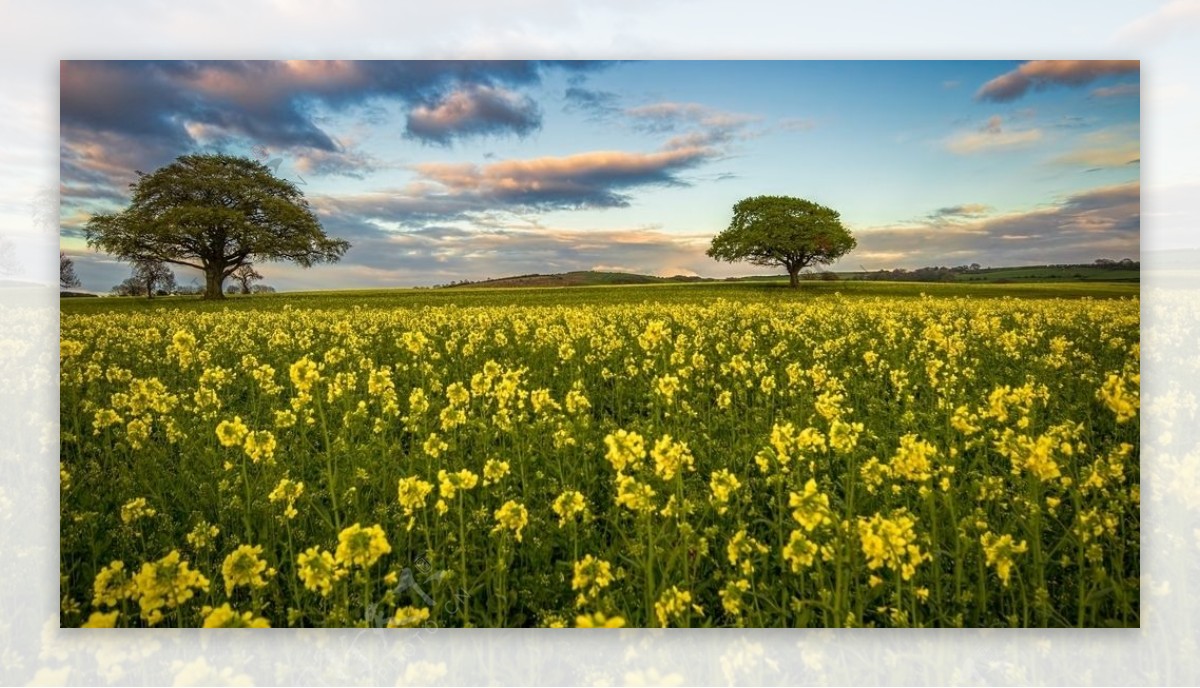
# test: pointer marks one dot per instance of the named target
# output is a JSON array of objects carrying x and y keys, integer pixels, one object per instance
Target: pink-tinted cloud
[
  {"x": 472, "y": 111},
  {"x": 591, "y": 179},
  {"x": 992, "y": 136},
  {"x": 1040, "y": 74}
]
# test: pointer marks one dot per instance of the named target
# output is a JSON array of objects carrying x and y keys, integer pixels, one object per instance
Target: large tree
[
  {"x": 783, "y": 231},
  {"x": 215, "y": 213},
  {"x": 67, "y": 279}
]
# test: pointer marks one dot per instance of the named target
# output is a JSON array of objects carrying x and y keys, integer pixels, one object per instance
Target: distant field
[{"x": 613, "y": 294}]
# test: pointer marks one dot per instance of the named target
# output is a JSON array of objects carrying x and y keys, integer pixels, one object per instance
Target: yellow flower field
[{"x": 832, "y": 461}]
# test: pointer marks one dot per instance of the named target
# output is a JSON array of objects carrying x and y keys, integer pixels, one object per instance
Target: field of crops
[{"x": 639, "y": 456}]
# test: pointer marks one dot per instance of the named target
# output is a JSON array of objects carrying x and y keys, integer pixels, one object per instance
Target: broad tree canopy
[
  {"x": 215, "y": 213},
  {"x": 782, "y": 231}
]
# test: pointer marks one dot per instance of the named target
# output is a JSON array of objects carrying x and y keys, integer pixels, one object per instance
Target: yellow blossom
[
  {"x": 226, "y": 617},
  {"x": 358, "y": 546},
  {"x": 511, "y": 516},
  {"x": 318, "y": 570}
]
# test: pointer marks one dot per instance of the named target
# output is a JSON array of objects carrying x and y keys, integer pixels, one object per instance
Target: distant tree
[
  {"x": 132, "y": 286},
  {"x": 231, "y": 289},
  {"x": 67, "y": 279},
  {"x": 783, "y": 231},
  {"x": 214, "y": 213},
  {"x": 153, "y": 275},
  {"x": 245, "y": 275},
  {"x": 262, "y": 289}
]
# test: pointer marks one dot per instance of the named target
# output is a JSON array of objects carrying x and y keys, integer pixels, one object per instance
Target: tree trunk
[
  {"x": 214, "y": 278},
  {"x": 794, "y": 276}
]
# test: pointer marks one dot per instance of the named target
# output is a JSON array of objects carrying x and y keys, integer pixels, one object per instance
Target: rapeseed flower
[
  {"x": 166, "y": 583},
  {"x": 225, "y": 617},
  {"x": 450, "y": 484},
  {"x": 358, "y": 546},
  {"x": 512, "y": 516},
  {"x": 625, "y": 450},
  {"x": 999, "y": 552},
  {"x": 112, "y": 585},
  {"x": 319, "y": 570},
  {"x": 244, "y": 566},
  {"x": 102, "y": 620},
  {"x": 569, "y": 506},
  {"x": 599, "y": 620},
  {"x": 231, "y": 432},
  {"x": 591, "y": 576},
  {"x": 136, "y": 509}
]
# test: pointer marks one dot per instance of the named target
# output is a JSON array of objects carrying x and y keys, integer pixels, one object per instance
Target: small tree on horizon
[
  {"x": 792, "y": 233},
  {"x": 246, "y": 275},
  {"x": 67, "y": 279},
  {"x": 153, "y": 275}
]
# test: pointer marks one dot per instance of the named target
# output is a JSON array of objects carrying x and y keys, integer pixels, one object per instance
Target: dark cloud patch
[
  {"x": 474, "y": 110},
  {"x": 1040, "y": 74},
  {"x": 1080, "y": 228},
  {"x": 596, "y": 104},
  {"x": 146, "y": 113},
  {"x": 959, "y": 211}
]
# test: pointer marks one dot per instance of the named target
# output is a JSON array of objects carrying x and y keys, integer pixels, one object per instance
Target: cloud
[
  {"x": 992, "y": 136},
  {"x": 444, "y": 192},
  {"x": 149, "y": 112},
  {"x": 1118, "y": 91},
  {"x": 1079, "y": 228},
  {"x": 474, "y": 110},
  {"x": 1040, "y": 74},
  {"x": 670, "y": 116},
  {"x": 592, "y": 179},
  {"x": 597, "y": 104},
  {"x": 960, "y": 211},
  {"x": 1111, "y": 147}
]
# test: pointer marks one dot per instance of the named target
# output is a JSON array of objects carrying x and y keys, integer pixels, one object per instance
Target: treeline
[
  {"x": 947, "y": 274},
  {"x": 152, "y": 278}
]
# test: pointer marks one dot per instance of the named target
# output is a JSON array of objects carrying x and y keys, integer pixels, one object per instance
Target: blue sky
[{"x": 448, "y": 171}]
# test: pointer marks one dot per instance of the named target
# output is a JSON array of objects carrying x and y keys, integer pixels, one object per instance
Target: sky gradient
[{"x": 443, "y": 171}]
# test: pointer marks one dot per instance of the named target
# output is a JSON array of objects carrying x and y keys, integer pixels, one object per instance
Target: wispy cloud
[
  {"x": 1100, "y": 222},
  {"x": 1110, "y": 147},
  {"x": 1040, "y": 74},
  {"x": 597, "y": 104},
  {"x": 1118, "y": 91},
  {"x": 992, "y": 136}
]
